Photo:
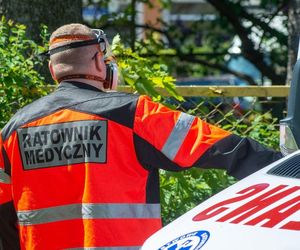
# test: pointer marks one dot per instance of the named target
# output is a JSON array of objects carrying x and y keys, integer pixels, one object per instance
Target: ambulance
[{"x": 260, "y": 212}]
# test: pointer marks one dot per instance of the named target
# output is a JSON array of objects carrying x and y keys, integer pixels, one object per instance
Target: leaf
[{"x": 17, "y": 69}]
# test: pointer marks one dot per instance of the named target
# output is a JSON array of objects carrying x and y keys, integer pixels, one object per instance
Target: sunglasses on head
[{"x": 100, "y": 39}]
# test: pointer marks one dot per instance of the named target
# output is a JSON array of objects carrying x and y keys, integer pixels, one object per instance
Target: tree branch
[
  {"x": 248, "y": 48},
  {"x": 220, "y": 67},
  {"x": 284, "y": 4},
  {"x": 264, "y": 25},
  {"x": 132, "y": 26}
]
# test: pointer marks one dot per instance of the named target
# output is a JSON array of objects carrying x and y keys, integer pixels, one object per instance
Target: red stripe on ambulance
[{"x": 222, "y": 212}]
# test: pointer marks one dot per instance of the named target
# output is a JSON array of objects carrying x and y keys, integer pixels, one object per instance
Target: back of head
[{"x": 76, "y": 60}]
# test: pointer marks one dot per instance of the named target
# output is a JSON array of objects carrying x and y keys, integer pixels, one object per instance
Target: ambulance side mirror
[{"x": 290, "y": 126}]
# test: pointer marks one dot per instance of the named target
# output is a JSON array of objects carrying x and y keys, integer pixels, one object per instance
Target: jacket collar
[{"x": 77, "y": 85}]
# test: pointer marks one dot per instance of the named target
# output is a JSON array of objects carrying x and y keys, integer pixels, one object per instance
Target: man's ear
[
  {"x": 52, "y": 71},
  {"x": 100, "y": 65}
]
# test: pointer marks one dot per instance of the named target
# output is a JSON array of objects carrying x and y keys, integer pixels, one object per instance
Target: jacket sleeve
[
  {"x": 9, "y": 236},
  {"x": 174, "y": 140}
]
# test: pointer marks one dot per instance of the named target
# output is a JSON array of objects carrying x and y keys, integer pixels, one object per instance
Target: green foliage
[
  {"x": 204, "y": 46},
  {"x": 260, "y": 127},
  {"x": 264, "y": 129},
  {"x": 182, "y": 191},
  {"x": 143, "y": 74},
  {"x": 19, "y": 80}
]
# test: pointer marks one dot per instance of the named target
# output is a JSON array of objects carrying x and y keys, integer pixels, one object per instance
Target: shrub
[{"x": 19, "y": 80}]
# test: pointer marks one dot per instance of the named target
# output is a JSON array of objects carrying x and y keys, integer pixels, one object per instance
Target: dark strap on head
[{"x": 71, "y": 46}]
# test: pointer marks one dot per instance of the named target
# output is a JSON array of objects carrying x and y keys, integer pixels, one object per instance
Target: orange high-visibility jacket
[{"x": 79, "y": 167}]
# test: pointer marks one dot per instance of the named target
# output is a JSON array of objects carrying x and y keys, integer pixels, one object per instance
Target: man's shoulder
[
  {"x": 125, "y": 95},
  {"x": 112, "y": 104},
  {"x": 34, "y": 104},
  {"x": 23, "y": 116}
]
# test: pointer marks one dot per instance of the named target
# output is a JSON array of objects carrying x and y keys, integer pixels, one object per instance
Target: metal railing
[{"x": 226, "y": 91}]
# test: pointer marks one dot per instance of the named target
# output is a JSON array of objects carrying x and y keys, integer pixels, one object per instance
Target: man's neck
[{"x": 96, "y": 84}]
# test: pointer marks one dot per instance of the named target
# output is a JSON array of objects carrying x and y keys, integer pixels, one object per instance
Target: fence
[{"x": 225, "y": 91}]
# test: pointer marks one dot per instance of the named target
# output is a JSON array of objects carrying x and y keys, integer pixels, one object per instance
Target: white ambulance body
[{"x": 260, "y": 212}]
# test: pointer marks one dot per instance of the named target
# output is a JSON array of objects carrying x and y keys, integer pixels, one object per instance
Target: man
[{"x": 79, "y": 167}]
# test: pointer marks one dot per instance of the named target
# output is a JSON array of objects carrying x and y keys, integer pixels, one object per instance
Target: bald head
[{"x": 74, "y": 60}]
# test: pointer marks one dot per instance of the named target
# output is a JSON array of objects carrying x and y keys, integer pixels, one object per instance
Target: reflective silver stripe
[
  {"x": 177, "y": 135},
  {"x": 4, "y": 178},
  {"x": 88, "y": 211},
  {"x": 105, "y": 248}
]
